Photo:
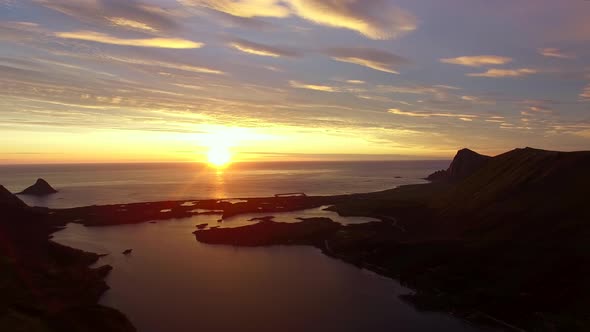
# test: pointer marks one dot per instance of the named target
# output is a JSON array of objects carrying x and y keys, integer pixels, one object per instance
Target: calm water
[
  {"x": 171, "y": 282},
  {"x": 81, "y": 185}
]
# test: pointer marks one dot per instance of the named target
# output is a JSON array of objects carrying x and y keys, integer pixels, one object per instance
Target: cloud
[
  {"x": 244, "y": 8},
  {"x": 261, "y": 49},
  {"x": 555, "y": 53},
  {"x": 368, "y": 57},
  {"x": 355, "y": 82},
  {"x": 164, "y": 64},
  {"x": 123, "y": 22},
  {"x": 375, "y": 19},
  {"x": 126, "y": 14},
  {"x": 417, "y": 89},
  {"x": 540, "y": 108},
  {"x": 478, "y": 60},
  {"x": 145, "y": 42},
  {"x": 425, "y": 114},
  {"x": 498, "y": 73},
  {"x": 324, "y": 88},
  {"x": 585, "y": 94}
]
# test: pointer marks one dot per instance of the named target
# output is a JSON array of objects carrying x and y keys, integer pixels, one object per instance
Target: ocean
[
  {"x": 225, "y": 288},
  {"x": 99, "y": 184}
]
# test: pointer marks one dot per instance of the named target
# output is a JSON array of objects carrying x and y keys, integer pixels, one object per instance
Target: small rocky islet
[{"x": 39, "y": 188}]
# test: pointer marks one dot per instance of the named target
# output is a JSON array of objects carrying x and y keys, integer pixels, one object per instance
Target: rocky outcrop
[
  {"x": 465, "y": 163},
  {"x": 9, "y": 200},
  {"x": 40, "y": 188}
]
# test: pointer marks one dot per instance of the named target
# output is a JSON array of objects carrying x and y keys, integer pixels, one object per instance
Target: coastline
[{"x": 484, "y": 247}]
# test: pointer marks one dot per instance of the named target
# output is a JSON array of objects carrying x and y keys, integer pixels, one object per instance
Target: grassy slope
[{"x": 510, "y": 240}]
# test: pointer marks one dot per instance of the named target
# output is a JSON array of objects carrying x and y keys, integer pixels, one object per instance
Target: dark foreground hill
[
  {"x": 507, "y": 241},
  {"x": 45, "y": 286}
]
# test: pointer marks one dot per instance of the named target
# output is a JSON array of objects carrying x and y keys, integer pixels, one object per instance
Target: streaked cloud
[
  {"x": 499, "y": 73},
  {"x": 164, "y": 64},
  {"x": 123, "y": 22},
  {"x": 104, "y": 38},
  {"x": 417, "y": 89},
  {"x": 355, "y": 82},
  {"x": 555, "y": 53},
  {"x": 324, "y": 88},
  {"x": 244, "y": 8},
  {"x": 261, "y": 49},
  {"x": 368, "y": 57},
  {"x": 375, "y": 19},
  {"x": 127, "y": 14},
  {"x": 585, "y": 94},
  {"x": 426, "y": 114},
  {"x": 478, "y": 60}
]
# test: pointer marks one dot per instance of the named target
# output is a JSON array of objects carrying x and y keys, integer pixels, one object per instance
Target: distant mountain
[
  {"x": 40, "y": 188},
  {"x": 465, "y": 163}
]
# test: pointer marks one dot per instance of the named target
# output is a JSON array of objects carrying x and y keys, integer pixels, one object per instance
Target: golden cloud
[
  {"x": 438, "y": 91},
  {"x": 463, "y": 117},
  {"x": 324, "y": 88},
  {"x": 261, "y": 49},
  {"x": 368, "y": 57},
  {"x": 167, "y": 65},
  {"x": 375, "y": 19},
  {"x": 585, "y": 94},
  {"x": 145, "y": 42},
  {"x": 123, "y": 22},
  {"x": 478, "y": 60},
  {"x": 498, "y": 73},
  {"x": 355, "y": 82},
  {"x": 555, "y": 53},
  {"x": 127, "y": 14},
  {"x": 244, "y": 8}
]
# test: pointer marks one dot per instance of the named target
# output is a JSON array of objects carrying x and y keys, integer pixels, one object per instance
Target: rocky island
[{"x": 39, "y": 188}]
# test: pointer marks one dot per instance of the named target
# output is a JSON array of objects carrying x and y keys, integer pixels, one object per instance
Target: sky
[{"x": 167, "y": 80}]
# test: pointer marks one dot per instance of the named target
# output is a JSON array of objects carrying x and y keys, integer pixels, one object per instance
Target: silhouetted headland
[{"x": 465, "y": 163}]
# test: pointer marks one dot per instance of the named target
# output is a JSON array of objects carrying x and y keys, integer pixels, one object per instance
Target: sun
[{"x": 219, "y": 156}]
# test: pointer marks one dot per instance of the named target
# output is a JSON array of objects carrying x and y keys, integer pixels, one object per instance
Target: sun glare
[{"x": 219, "y": 156}]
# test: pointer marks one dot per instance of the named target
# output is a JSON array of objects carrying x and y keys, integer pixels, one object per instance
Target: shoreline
[
  {"x": 93, "y": 216},
  {"x": 481, "y": 244}
]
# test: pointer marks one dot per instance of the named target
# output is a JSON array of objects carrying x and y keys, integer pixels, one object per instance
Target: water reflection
[
  {"x": 171, "y": 282},
  {"x": 219, "y": 183}
]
